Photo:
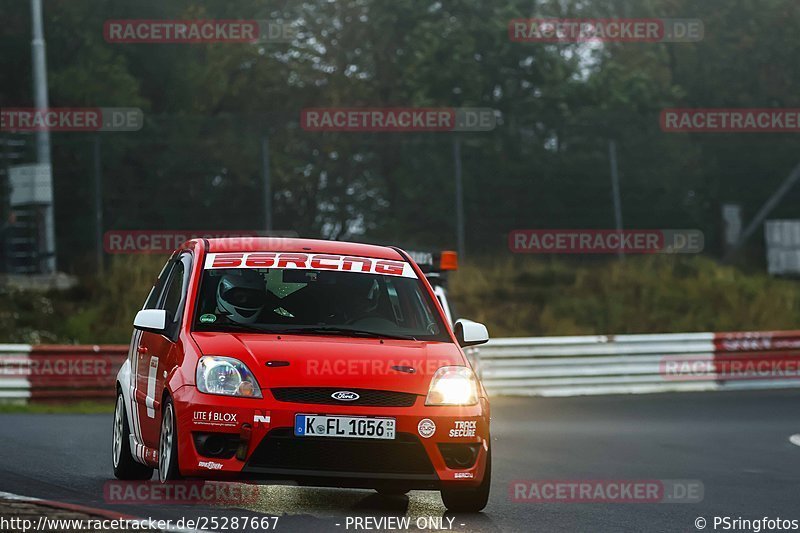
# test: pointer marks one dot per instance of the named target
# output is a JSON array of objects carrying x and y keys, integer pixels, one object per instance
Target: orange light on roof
[{"x": 448, "y": 261}]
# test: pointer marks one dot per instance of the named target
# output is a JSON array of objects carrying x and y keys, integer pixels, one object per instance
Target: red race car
[{"x": 326, "y": 363}]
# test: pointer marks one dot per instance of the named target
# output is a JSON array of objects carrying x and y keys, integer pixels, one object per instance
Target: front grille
[
  {"x": 282, "y": 450},
  {"x": 322, "y": 395}
]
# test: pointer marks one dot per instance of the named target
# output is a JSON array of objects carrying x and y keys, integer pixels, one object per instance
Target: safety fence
[
  {"x": 622, "y": 364},
  {"x": 530, "y": 366}
]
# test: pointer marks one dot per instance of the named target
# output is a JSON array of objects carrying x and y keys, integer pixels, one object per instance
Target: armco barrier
[
  {"x": 14, "y": 385},
  {"x": 567, "y": 366},
  {"x": 59, "y": 372},
  {"x": 533, "y": 366}
]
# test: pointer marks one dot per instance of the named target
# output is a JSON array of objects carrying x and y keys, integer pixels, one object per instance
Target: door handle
[{"x": 141, "y": 349}]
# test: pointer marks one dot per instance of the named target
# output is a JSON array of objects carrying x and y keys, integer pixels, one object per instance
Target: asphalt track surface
[{"x": 736, "y": 443}]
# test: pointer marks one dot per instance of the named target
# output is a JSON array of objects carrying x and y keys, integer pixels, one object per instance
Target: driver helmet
[{"x": 241, "y": 296}]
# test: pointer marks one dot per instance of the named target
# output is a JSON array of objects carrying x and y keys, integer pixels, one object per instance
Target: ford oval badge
[{"x": 345, "y": 396}]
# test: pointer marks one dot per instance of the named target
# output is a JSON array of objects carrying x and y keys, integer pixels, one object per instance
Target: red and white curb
[{"x": 92, "y": 511}]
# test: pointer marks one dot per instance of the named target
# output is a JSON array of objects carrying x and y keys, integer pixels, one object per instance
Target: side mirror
[
  {"x": 469, "y": 333},
  {"x": 152, "y": 320}
]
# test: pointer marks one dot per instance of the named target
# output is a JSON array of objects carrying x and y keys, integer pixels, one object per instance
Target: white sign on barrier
[
  {"x": 782, "y": 238},
  {"x": 31, "y": 184}
]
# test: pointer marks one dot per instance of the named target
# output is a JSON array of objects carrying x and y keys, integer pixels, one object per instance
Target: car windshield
[{"x": 285, "y": 300}]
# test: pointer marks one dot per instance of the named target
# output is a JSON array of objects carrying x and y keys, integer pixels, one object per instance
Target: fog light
[{"x": 459, "y": 456}]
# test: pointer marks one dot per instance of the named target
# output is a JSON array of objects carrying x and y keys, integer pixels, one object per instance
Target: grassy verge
[
  {"x": 526, "y": 296},
  {"x": 98, "y": 311},
  {"x": 515, "y": 296}
]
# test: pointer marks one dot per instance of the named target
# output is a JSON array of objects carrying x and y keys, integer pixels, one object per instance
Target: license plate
[{"x": 355, "y": 427}]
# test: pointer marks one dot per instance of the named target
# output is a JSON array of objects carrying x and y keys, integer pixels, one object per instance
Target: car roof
[{"x": 317, "y": 246}]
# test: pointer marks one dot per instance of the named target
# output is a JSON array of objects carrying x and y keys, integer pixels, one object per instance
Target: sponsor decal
[
  {"x": 261, "y": 418},
  {"x": 426, "y": 428},
  {"x": 208, "y": 318},
  {"x": 463, "y": 475},
  {"x": 151, "y": 454},
  {"x": 211, "y": 465},
  {"x": 463, "y": 428},
  {"x": 297, "y": 261},
  {"x": 345, "y": 396},
  {"x": 214, "y": 418}
]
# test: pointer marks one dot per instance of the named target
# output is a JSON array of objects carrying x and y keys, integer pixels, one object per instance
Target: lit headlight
[
  {"x": 226, "y": 376},
  {"x": 453, "y": 385}
]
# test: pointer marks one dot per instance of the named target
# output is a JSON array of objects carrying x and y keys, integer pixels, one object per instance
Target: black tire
[
  {"x": 125, "y": 466},
  {"x": 168, "y": 451},
  {"x": 473, "y": 499}
]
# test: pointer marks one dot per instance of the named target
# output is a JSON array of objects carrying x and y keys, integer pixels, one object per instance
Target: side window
[
  {"x": 425, "y": 312},
  {"x": 158, "y": 288},
  {"x": 174, "y": 291},
  {"x": 174, "y": 299},
  {"x": 394, "y": 301}
]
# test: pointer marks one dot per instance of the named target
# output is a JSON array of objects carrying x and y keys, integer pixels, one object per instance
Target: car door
[
  {"x": 137, "y": 360},
  {"x": 156, "y": 353}
]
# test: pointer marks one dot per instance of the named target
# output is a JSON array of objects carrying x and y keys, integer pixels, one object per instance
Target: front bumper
[{"x": 259, "y": 443}]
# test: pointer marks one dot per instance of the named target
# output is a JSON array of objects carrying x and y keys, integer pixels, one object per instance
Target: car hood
[{"x": 334, "y": 361}]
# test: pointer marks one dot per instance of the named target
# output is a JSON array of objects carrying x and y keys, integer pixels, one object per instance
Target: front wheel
[
  {"x": 168, "y": 445},
  {"x": 125, "y": 467},
  {"x": 471, "y": 499}
]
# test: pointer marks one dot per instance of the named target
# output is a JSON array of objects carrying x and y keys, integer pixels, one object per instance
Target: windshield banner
[{"x": 297, "y": 261}]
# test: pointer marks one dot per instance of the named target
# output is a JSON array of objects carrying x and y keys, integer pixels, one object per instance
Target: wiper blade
[
  {"x": 238, "y": 327},
  {"x": 333, "y": 330}
]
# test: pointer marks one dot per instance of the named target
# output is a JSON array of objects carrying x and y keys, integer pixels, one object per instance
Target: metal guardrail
[
  {"x": 624, "y": 364},
  {"x": 531, "y": 366},
  {"x": 14, "y": 385},
  {"x": 59, "y": 372}
]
